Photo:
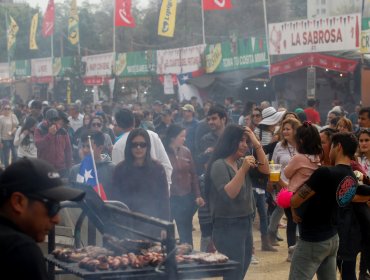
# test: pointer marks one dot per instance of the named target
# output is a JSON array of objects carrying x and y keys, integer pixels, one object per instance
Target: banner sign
[
  {"x": 312, "y": 59},
  {"x": 216, "y": 4},
  {"x": 365, "y": 36},
  {"x": 4, "y": 73},
  {"x": 99, "y": 65},
  {"x": 242, "y": 53},
  {"x": 20, "y": 68},
  {"x": 337, "y": 33},
  {"x": 122, "y": 14},
  {"x": 61, "y": 64},
  {"x": 42, "y": 70},
  {"x": 182, "y": 60},
  {"x": 167, "y": 18},
  {"x": 133, "y": 64}
]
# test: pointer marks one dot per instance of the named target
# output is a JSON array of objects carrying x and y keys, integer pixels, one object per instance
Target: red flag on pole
[
  {"x": 217, "y": 4},
  {"x": 123, "y": 16},
  {"x": 48, "y": 22}
]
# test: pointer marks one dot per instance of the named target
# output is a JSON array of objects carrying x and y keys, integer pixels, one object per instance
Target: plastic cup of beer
[{"x": 275, "y": 170}]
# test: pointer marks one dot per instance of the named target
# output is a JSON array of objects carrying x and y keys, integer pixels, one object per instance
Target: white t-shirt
[{"x": 157, "y": 152}]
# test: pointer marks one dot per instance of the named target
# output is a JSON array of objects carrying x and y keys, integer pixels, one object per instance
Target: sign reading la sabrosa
[{"x": 337, "y": 33}]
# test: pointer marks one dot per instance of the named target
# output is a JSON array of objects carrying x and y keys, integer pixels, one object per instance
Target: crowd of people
[{"x": 172, "y": 160}]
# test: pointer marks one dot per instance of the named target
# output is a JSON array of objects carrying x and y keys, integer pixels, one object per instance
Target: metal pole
[
  {"x": 266, "y": 31},
  {"x": 203, "y": 24},
  {"x": 114, "y": 27}
]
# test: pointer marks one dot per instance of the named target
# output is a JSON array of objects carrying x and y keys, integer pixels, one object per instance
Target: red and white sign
[
  {"x": 99, "y": 65},
  {"x": 312, "y": 59},
  {"x": 122, "y": 15},
  {"x": 337, "y": 33},
  {"x": 177, "y": 61},
  {"x": 216, "y": 4},
  {"x": 42, "y": 70},
  {"x": 95, "y": 81},
  {"x": 48, "y": 22}
]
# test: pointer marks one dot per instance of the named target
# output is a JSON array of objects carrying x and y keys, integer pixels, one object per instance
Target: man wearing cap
[
  {"x": 157, "y": 110},
  {"x": 190, "y": 124},
  {"x": 53, "y": 143},
  {"x": 166, "y": 120},
  {"x": 30, "y": 194}
]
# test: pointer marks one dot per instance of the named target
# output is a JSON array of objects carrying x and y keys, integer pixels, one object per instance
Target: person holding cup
[{"x": 230, "y": 195}]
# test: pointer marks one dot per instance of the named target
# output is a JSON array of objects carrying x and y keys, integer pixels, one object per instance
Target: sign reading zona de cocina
[{"x": 336, "y": 33}]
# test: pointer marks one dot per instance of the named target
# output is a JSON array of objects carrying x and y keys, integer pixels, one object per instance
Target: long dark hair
[
  {"x": 227, "y": 145},
  {"x": 29, "y": 122},
  {"x": 308, "y": 140},
  {"x": 172, "y": 132},
  {"x": 129, "y": 157}
]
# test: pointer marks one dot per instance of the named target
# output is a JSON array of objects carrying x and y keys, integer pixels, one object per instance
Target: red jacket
[{"x": 55, "y": 149}]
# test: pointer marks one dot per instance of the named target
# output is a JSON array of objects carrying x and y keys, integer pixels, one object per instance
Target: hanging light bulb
[{"x": 246, "y": 88}]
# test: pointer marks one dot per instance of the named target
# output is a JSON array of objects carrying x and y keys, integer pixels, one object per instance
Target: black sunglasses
[
  {"x": 53, "y": 207},
  {"x": 137, "y": 145}
]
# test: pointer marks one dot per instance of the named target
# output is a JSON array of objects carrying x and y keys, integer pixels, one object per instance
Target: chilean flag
[
  {"x": 122, "y": 15},
  {"x": 48, "y": 22},
  {"x": 87, "y": 175},
  {"x": 217, "y": 5}
]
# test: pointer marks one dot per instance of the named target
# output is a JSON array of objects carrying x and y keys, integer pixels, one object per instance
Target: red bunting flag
[
  {"x": 48, "y": 22},
  {"x": 123, "y": 16},
  {"x": 217, "y": 4}
]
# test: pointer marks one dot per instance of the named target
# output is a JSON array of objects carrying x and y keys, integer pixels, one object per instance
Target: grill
[{"x": 111, "y": 218}]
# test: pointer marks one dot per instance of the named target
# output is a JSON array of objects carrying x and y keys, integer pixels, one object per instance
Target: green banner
[
  {"x": 236, "y": 54},
  {"x": 365, "y": 36},
  {"x": 61, "y": 65},
  {"x": 20, "y": 68},
  {"x": 134, "y": 64}
]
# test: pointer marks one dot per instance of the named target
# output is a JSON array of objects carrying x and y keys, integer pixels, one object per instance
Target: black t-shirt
[
  {"x": 334, "y": 187},
  {"x": 20, "y": 256}
]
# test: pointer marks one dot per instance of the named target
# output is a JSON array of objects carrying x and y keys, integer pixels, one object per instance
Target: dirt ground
[{"x": 271, "y": 266}]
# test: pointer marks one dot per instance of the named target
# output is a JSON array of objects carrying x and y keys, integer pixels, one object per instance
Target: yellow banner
[
  {"x": 12, "y": 33},
  {"x": 33, "y": 31},
  {"x": 73, "y": 31},
  {"x": 214, "y": 58},
  {"x": 167, "y": 18}
]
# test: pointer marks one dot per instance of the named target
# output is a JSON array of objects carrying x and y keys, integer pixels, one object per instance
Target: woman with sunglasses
[
  {"x": 139, "y": 181},
  {"x": 8, "y": 127},
  {"x": 230, "y": 195},
  {"x": 185, "y": 193},
  {"x": 96, "y": 124}
]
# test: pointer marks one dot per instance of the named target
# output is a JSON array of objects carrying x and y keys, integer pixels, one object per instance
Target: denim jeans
[
  {"x": 233, "y": 238},
  {"x": 275, "y": 219},
  {"x": 8, "y": 147},
  {"x": 182, "y": 210},
  {"x": 260, "y": 200},
  {"x": 291, "y": 229},
  {"x": 315, "y": 257}
]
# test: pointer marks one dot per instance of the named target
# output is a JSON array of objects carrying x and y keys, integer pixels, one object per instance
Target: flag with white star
[{"x": 87, "y": 176}]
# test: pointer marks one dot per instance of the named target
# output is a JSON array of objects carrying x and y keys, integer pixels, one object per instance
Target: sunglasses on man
[{"x": 53, "y": 207}]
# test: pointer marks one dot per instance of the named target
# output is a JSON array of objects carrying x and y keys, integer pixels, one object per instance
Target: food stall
[{"x": 135, "y": 246}]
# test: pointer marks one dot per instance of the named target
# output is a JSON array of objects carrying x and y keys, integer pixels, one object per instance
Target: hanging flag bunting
[
  {"x": 33, "y": 31},
  {"x": 48, "y": 22},
  {"x": 12, "y": 35},
  {"x": 167, "y": 18},
  {"x": 73, "y": 31},
  {"x": 122, "y": 15},
  {"x": 217, "y": 4}
]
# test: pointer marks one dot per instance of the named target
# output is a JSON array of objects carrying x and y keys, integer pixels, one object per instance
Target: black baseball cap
[{"x": 36, "y": 177}]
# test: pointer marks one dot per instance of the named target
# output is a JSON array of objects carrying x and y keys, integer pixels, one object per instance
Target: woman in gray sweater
[{"x": 231, "y": 196}]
